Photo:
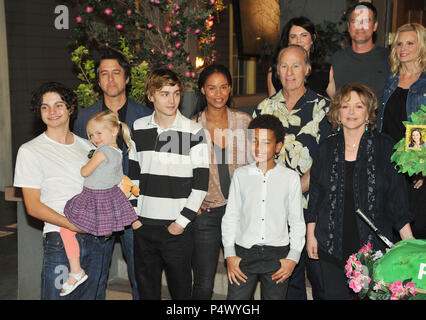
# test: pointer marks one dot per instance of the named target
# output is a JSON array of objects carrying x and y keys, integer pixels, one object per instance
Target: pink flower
[
  {"x": 187, "y": 73},
  {"x": 411, "y": 288},
  {"x": 175, "y": 33},
  {"x": 188, "y": 29},
  {"x": 167, "y": 29},
  {"x": 193, "y": 75},
  {"x": 178, "y": 44},
  {"x": 188, "y": 59},
  {"x": 79, "y": 19},
  {"x": 149, "y": 25},
  {"x": 119, "y": 26},
  {"x": 107, "y": 11},
  {"x": 197, "y": 31},
  {"x": 89, "y": 9},
  {"x": 355, "y": 285},
  {"x": 170, "y": 66},
  {"x": 153, "y": 50},
  {"x": 177, "y": 22},
  {"x": 129, "y": 12},
  {"x": 212, "y": 2},
  {"x": 170, "y": 54}
]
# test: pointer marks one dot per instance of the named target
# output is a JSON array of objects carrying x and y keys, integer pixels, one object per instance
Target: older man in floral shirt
[{"x": 303, "y": 114}]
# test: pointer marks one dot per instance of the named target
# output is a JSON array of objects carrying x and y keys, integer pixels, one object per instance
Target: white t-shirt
[{"x": 54, "y": 168}]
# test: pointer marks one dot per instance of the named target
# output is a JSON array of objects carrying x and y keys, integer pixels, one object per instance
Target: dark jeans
[
  {"x": 155, "y": 248},
  {"x": 55, "y": 266},
  {"x": 207, "y": 241},
  {"x": 259, "y": 263},
  {"x": 126, "y": 240},
  {"x": 297, "y": 284}
]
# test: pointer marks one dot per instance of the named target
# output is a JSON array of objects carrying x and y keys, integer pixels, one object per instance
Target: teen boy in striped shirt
[{"x": 170, "y": 163}]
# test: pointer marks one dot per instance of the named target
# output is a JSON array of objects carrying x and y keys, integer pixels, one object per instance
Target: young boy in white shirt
[{"x": 263, "y": 229}]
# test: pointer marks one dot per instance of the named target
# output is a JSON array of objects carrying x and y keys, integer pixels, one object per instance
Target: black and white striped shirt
[{"x": 171, "y": 168}]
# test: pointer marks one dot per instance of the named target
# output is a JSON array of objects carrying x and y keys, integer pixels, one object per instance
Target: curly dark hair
[
  {"x": 66, "y": 94},
  {"x": 268, "y": 121},
  {"x": 204, "y": 75}
]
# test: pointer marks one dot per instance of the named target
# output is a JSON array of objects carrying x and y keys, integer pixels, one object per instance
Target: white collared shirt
[{"x": 264, "y": 210}]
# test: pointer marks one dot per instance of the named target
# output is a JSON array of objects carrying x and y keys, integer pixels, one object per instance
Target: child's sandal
[{"x": 68, "y": 288}]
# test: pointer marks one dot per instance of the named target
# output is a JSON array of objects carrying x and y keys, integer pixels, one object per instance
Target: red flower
[
  {"x": 167, "y": 29},
  {"x": 129, "y": 12},
  {"x": 119, "y": 26},
  {"x": 178, "y": 45},
  {"x": 170, "y": 66},
  {"x": 175, "y": 33},
  {"x": 188, "y": 59},
  {"x": 170, "y": 54},
  {"x": 107, "y": 11},
  {"x": 149, "y": 25},
  {"x": 79, "y": 19},
  {"x": 187, "y": 73},
  {"x": 212, "y": 2},
  {"x": 197, "y": 31},
  {"x": 89, "y": 9}
]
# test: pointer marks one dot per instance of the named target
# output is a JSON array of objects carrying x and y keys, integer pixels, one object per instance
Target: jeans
[
  {"x": 55, "y": 266},
  {"x": 207, "y": 242},
  {"x": 297, "y": 284},
  {"x": 259, "y": 263},
  {"x": 126, "y": 239},
  {"x": 155, "y": 249}
]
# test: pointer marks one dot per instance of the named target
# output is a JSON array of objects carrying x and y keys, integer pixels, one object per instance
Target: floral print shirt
[{"x": 306, "y": 126}]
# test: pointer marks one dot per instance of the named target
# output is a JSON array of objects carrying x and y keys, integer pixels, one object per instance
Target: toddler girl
[{"x": 101, "y": 208}]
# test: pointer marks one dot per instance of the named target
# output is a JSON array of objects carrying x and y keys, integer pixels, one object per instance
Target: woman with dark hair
[
  {"x": 351, "y": 171},
  {"x": 226, "y": 131},
  {"x": 301, "y": 31}
]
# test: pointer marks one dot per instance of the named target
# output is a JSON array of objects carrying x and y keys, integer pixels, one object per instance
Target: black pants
[
  {"x": 297, "y": 282},
  {"x": 156, "y": 249},
  {"x": 259, "y": 263},
  {"x": 207, "y": 241},
  {"x": 335, "y": 282}
]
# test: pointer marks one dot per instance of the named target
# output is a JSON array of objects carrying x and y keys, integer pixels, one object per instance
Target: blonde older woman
[
  {"x": 352, "y": 170},
  {"x": 405, "y": 92}
]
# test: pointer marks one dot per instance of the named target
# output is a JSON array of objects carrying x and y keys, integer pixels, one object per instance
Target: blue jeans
[
  {"x": 205, "y": 255},
  {"x": 259, "y": 263},
  {"x": 126, "y": 239},
  {"x": 55, "y": 266}
]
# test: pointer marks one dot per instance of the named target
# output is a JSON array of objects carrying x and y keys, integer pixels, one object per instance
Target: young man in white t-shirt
[{"x": 48, "y": 171}]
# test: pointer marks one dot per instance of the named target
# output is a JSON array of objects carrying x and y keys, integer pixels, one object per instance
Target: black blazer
[{"x": 391, "y": 203}]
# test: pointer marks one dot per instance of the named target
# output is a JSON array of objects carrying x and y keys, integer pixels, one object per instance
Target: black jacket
[{"x": 390, "y": 203}]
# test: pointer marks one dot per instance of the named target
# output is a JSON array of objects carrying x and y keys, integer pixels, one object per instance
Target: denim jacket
[{"x": 416, "y": 95}]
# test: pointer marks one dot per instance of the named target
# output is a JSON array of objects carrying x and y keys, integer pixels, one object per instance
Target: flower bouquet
[{"x": 360, "y": 273}]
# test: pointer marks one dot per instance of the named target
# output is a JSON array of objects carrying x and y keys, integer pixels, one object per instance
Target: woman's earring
[
  {"x": 339, "y": 127},
  {"x": 366, "y": 125}
]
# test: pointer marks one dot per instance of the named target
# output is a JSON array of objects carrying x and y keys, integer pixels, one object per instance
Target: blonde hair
[
  {"x": 110, "y": 120},
  {"x": 421, "y": 43},
  {"x": 366, "y": 96}
]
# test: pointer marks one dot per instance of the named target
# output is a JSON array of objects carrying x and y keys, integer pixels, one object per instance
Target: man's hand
[
  {"x": 234, "y": 271},
  {"x": 136, "y": 225},
  {"x": 175, "y": 229},
  {"x": 283, "y": 273}
]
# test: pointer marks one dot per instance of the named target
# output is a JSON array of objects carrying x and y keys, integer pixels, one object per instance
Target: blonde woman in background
[{"x": 405, "y": 92}]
